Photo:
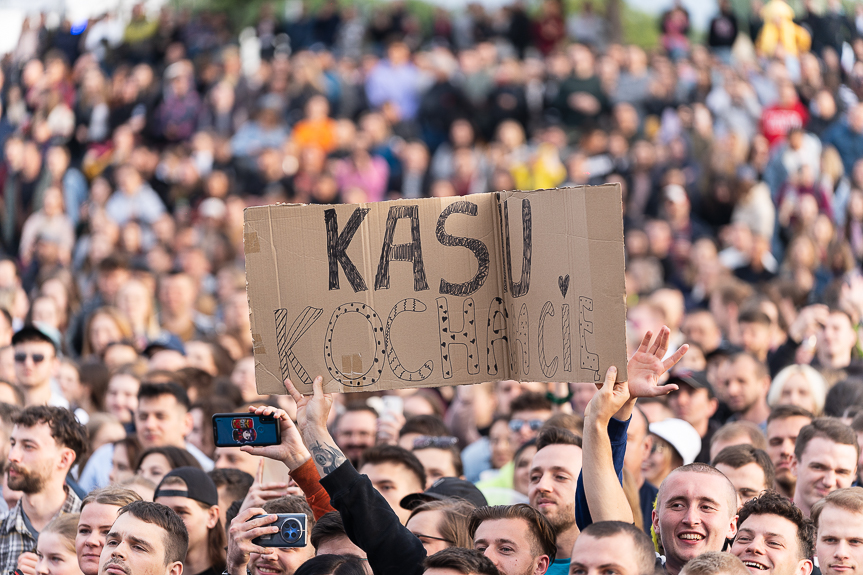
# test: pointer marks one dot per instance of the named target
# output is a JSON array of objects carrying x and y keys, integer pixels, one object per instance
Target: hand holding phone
[{"x": 238, "y": 429}]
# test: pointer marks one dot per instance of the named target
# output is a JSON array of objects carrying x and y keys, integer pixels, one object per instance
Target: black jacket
[{"x": 372, "y": 525}]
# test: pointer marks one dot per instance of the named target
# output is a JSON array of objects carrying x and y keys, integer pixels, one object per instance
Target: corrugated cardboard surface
[{"x": 422, "y": 312}]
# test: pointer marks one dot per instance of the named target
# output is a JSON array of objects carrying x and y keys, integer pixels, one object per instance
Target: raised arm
[
  {"x": 293, "y": 454},
  {"x": 605, "y": 497},
  {"x": 390, "y": 547},
  {"x": 599, "y": 494}
]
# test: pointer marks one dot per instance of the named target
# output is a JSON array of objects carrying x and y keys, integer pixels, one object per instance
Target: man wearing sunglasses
[
  {"x": 529, "y": 411},
  {"x": 440, "y": 457},
  {"x": 35, "y": 363}
]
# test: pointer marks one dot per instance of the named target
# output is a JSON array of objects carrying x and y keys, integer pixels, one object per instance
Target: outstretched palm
[{"x": 646, "y": 365}]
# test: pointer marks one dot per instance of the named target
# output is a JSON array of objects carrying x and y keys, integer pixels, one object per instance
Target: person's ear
[
  {"x": 188, "y": 424},
  {"x": 804, "y": 567},
  {"x": 655, "y": 520},
  {"x": 794, "y": 464},
  {"x": 175, "y": 568},
  {"x": 66, "y": 459},
  {"x": 542, "y": 564},
  {"x": 213, "y": 516},
  {"x": 712, "y": 406},
  {"x": 732, "y": 528}
]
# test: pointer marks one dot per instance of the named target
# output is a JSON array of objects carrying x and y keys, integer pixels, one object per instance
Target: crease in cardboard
[{"x": 575, "y": 287}]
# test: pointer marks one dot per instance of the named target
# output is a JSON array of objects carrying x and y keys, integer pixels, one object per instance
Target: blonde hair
[
  {"x": 816, "y": 382},
  {"x": 66, "y": 526}
]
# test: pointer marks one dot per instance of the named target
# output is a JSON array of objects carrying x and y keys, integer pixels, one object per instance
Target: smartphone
[{"x": 238, "y": 429}]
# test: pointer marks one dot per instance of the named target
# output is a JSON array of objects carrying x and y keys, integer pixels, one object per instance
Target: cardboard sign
[{"x": 442, "y": 291}]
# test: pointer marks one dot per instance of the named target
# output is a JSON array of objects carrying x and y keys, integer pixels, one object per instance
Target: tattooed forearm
[{"x": 327, "y": 457}]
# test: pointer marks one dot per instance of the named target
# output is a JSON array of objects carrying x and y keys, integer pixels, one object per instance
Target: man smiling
[
  {"x": 695, "y": 512},
  {"x": 773, "y": 537},
  {"x": 146, "y": 539}
]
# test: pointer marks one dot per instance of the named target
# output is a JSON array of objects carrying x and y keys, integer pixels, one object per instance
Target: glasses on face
[
  {"x": 22, "y": 357},
  {"x": 427, "y": 441},
  {"x": 517, "y": 424},
  {"x": 422, "y": 538}
]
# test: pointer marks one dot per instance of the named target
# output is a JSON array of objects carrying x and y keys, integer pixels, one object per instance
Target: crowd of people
[{"x": 131, "y": 145}]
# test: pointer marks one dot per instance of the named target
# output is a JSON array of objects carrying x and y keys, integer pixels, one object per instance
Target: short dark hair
[
  {"x": 65, "y": 429},
  {"x": 542, "y": 534},
  {"x": 430, "y": 425},
  {"x": 150, "y": 390},
  {"x": 291, "y": 504},
  {"x": 112, "y": 262},
  {"x": 8, "y": 413},
  {"x": 772, "y": 503},
  {"x": 530, "y": 401},
  {"x": 828, "y": 428},
  {"x": 465, "y": 561},
  {"x": 454, "y": 453},
  {"x": 844, "y": 394},
  {"x": 736, "y": 456},
  {"x": 236, "y": 482},
  {"x": 332, "y": 565},
  {"x": 556, "y": 436},
  {"x": 395, "y": 454},
  {"x": 176, "y": 538},
  {"x": 641, "y": 544},
  {"x": 327, "y": 528},
  {"x": 176, "y": 456},
  {"x": 786, "y": 411}
]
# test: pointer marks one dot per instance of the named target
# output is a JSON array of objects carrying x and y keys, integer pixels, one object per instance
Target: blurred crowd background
[{"x": 130, "y": 147}]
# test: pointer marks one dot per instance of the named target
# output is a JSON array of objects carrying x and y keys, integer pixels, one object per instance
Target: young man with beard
[
  {"x": 825, "y": 459},
  {"x": 783, "y": 426},
  {"x": 195, "y": 499},
  {"x": 839, "y": 540},
  {"x": 44, "y": 445},
  {"x": 553, "y": 478},
  {"x": 356, "y": 430},
  {"x": 743, "y": 385},
  {"x": 146, "y": 539},
  {"x": 773, "y": 537}
]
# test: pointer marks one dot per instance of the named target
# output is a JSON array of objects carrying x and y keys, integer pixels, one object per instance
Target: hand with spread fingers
[
  {"x": 646, "y": 365},
  {"x": 243, "y": 529}
]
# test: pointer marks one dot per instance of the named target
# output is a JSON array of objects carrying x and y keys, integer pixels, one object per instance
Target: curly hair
[{"x": 772, "y": 503}]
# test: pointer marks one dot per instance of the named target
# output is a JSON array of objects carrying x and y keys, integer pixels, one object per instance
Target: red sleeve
[{"x": 307, "y": 477}]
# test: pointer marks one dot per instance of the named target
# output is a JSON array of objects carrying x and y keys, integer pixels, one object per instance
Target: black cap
[
  {"x": 199, "y": 486},
  {"x": 694, "y": 379},
  {"x": 31, "y": 332},
  {"x": 446, "y": 488}
]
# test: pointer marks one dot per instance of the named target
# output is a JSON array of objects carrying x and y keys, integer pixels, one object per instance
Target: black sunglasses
[{"x": 22, "y": 357}]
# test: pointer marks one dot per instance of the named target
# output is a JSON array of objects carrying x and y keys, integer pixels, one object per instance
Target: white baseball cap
[{"x": 681, "y": 435}]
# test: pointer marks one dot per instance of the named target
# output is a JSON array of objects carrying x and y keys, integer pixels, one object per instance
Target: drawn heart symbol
[{"x": 563, "y": 284}]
